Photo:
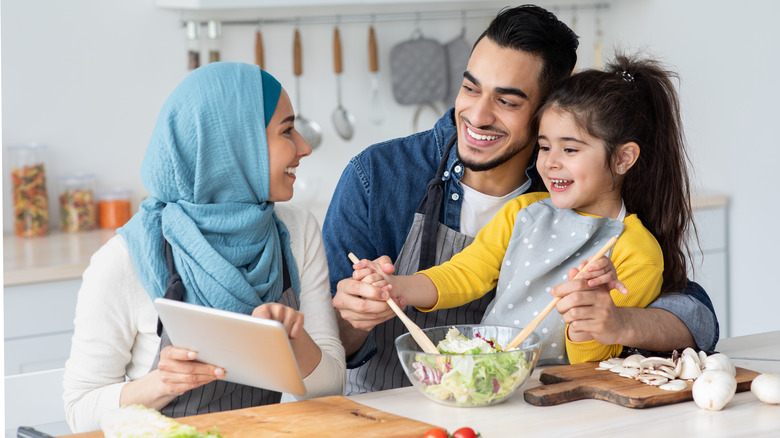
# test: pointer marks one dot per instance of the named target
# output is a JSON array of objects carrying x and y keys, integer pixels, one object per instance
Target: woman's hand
[
  {"x": 307, "y": 352},
  {"x": 291, "y": 319},
  {"x": 179, "y": 371}
]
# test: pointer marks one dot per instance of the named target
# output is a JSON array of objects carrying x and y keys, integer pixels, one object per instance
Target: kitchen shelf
[{"x": 236, "y": 4}]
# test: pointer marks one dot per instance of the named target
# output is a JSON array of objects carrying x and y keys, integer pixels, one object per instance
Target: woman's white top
[{"x": 115, "y": 338}]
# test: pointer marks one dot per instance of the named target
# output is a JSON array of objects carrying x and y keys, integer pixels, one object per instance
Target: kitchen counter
[
  {"x": 744, "y": 416},
  {"x": 58, "y": 256}
]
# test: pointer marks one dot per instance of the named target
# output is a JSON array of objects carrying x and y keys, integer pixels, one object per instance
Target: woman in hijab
[{"x": 223, "y": 152}]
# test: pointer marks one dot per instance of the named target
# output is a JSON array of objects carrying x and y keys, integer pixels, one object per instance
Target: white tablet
[{"x": 252, "y": 351}]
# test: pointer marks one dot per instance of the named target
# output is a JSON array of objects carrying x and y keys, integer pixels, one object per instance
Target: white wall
[
  {"x": 88, "y": 78},
  {"x": 729, "y": 63}
]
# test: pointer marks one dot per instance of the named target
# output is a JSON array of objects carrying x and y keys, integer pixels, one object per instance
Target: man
[{"x": 476, "y": 157}]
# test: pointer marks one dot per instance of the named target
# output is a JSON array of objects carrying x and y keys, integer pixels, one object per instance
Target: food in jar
[
  {"x": 31, "y": 202},
  {"x": 77, "y": 210}
]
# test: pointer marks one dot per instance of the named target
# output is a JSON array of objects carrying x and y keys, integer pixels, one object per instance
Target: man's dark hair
[{"x": 536, "y": 30}]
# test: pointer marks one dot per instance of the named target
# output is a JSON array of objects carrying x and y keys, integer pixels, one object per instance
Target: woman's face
[{"x": 286, "y": 147}]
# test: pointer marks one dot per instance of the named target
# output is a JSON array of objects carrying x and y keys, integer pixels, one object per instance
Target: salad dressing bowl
[{"x": 471, "y": 370}]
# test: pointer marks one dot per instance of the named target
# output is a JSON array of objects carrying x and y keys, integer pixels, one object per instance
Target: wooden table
[{"x": 744, "y": 416}]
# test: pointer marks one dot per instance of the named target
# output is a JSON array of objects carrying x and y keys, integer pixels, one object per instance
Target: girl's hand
[
  {"x": 289, "y": 317},
  {"x": 367, "y": 271},
  {"x": 378, "y": 274},
  {"x": 601, "y": 272},
  {"x": 179, "y": 371}
]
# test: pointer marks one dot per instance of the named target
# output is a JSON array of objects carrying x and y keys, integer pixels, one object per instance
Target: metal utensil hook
[
  {"x": 417, "y": 33},
  {"x": 463, "y": 23}
]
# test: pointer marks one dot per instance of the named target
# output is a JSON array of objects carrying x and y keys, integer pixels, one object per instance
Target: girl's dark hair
[
  {"x": 535, "y": 30},
  {"x": 634, "y": 100}
]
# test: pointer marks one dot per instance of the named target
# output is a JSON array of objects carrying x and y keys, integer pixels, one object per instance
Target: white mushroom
[
  {"x": 721, "y": 362},
  {"x": 629, "y": 372},
  {"x": 633, "y": 361},
  {"x": 655, "y": 361},
  {"x": 693, "y": 354},
  {"x": 767, "y": 388},
  {"x": 714, "y": 389},
  {"x": 610, "y": 363},
  {"x": 689, "y": 367},
  {"x": 674, "y": 385}
]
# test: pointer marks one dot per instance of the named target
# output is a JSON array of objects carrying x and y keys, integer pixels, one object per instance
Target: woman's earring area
[{"x": 620, "y": 170}]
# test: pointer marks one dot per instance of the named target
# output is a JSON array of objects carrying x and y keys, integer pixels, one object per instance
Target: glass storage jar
[
  {"x": 77, "y": 202},
  {"x": 113, "y": 207},
  {"x": 28, "y": 182}
]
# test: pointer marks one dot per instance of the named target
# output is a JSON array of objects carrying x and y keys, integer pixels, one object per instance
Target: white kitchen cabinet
[
  {"x": 710, "y": 263},
  {"x": 38, "y": 320},
  {"x": 42, "y": 276}
]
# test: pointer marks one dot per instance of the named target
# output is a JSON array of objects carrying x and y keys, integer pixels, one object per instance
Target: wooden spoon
[
  {"x": 535, "y": 322},
  {"x": 424, "y": 341}
]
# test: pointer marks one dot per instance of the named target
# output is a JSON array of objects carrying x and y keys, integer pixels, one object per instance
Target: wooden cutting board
[
  {"x": 334, "y": 416},
  {"x": 583, "y": 381}
]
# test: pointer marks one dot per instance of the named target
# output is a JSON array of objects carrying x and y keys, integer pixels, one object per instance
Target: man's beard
[{"x": 508, "y": 154}]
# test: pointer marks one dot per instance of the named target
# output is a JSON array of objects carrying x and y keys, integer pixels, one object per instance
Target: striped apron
[
  {"x": 429, "y": 243},
  {"x": 218, "y": 395}
]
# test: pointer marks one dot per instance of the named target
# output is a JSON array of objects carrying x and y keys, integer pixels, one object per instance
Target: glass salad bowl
[{"x": 481, "y": 376}]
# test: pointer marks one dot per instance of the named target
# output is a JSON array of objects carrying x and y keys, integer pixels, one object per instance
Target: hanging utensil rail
[{"x": 387, "y": 17}]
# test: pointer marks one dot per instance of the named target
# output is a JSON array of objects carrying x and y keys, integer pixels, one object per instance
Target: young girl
[{"x": 611, "y": 151}]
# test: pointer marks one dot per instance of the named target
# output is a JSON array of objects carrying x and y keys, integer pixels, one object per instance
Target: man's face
[{"x": 493, "y": 111}]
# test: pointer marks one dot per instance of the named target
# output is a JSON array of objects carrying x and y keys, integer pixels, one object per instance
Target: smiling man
[{"x": 421, "y": 199}]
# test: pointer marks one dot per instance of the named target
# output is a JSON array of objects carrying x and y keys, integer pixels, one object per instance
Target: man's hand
[
  {"x": 587, "y": 306},
  {"x": 360, "y": 300}
]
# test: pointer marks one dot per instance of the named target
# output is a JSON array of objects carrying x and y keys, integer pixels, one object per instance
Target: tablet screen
[{"x": 252, "y": 351}]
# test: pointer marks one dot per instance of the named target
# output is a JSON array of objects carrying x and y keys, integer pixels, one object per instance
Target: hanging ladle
[
  {"x": 343, "y": 120},
  {"x": 309, "y": 129}
]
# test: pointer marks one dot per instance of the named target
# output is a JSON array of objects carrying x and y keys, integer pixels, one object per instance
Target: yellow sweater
[{"x": 474, "y": 271}]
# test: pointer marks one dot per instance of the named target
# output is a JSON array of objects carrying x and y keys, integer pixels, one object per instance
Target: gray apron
[
  {"x": 546, "y": 242},
  {"x": 218, "y": 395},
  {"x": 429, "y": 243}
]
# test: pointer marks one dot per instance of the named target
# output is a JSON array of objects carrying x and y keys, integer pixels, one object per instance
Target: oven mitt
[
  {"x": 458, "y": 51},
  {"x": 419, "y": 72}
]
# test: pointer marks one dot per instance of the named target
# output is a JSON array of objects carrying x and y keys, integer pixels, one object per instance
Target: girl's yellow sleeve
[
  {"x": 639, "y": 265},
  {"x": 473, "y": 272}
]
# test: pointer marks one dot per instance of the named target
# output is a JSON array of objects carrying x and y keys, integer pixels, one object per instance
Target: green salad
[
  {"x": 470, "y": 377},
  {"x": 140, "y": 422}
]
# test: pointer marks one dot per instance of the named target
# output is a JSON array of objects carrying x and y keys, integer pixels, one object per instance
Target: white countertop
[
  {"x": 744, "y": 416},
  {"x": 58, "y": 256}
]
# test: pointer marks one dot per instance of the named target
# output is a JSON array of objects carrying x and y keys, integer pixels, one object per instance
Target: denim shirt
[{"x": 373, "y": 207}]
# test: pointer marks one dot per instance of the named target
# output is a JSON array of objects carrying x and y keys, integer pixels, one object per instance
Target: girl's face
[
  {"x": 574, "y": 166},
  {"x": 286, "y": 147}
]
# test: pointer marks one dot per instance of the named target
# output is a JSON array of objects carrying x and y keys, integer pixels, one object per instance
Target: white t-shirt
[{"x": 478, "y": 208}]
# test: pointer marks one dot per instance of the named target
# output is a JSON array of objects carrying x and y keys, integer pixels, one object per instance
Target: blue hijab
[{"x": 206, "y": 171}]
